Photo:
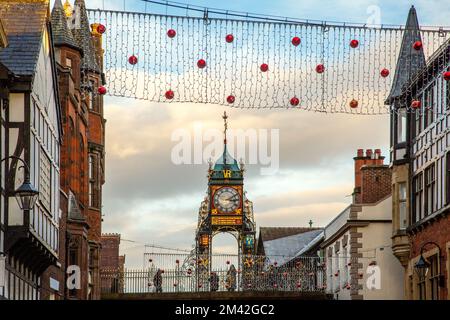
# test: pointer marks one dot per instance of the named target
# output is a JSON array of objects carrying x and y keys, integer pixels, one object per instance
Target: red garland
[
  {"x": 201, "y": 63},
  {"x": 354, "y": 43},
  {"x": 169, "y": 94},
  {"x": 384, "y": 73},
  {"x": 133, "y": 60},
  {"x": 229, "y": 38},
  {"x": 295, "y": 101},
  {"x": 320, "y": 68},
  {"x": 296, "y": 41},
  {"x": 171, "y": 33},
  {"x": 101, "y": 90},
  {"x": 101, "y": 29}
]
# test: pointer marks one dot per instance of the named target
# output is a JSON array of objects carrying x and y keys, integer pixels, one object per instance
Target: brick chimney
[{"x": 372, "y": 178}]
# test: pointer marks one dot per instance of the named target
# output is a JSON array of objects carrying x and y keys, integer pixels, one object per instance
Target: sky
[{"x": 150, "y": 200}]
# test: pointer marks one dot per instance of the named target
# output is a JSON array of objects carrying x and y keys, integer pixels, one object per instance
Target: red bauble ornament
[
  {"x": 177, "y": 261},
  {"x": 228, "y": 262},
  {"x": 169, "y": 94},
  {"x": 295, "y": 101},
  {"x": 101, "y": 29},
  {"x": 171, "y": 33},
  {"x": 299, "y": 285},
  {"x": 275, "y": 263},
  {"x": 264, "y": 67},
  {"x": 384, "y": 73},
  {"x": 417, "y": 45},
  {"x": 200, "y": 285},
  {"x": 230, "y": 99},
  {"x": 133, "y": 60},
  {"x": 150, "y": 260},
  {"x": 353, "y": 104},
  {"x": 296, "y": 41},
  {"x": 229, "y": 38},
  {"x": 415, "y": 104},
  {"x": 320, "y": 68},
  {"x": 354, "y": 43},
  {"x": 101, "y": 90},
  {"x": 174, "y": 284},
  {"x": 446, "y": 75},
  {"x": 201, "y": 63}
]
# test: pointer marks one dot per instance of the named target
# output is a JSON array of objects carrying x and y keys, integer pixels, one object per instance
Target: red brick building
[
  {"x": 111, "y": 263},
  {"x": 80, "y": 63}
]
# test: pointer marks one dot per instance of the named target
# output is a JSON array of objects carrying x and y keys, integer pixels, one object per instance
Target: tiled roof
[
  {"x": 409, "y": 60},
  {"x": 24, "y": 22},
  {"x": 82, "y": 35},
  {"x": 61, "y": 32},
  {"x": 285, "y": 249},
  {"x": 271, "y": 233}
]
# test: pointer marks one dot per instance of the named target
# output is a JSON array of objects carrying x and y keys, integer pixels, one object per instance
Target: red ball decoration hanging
[
  {"x": 264, "y": 67},
  {"x": 296, "y": 41},
  {"x": 101, "y": 90},
  {"x": 320, "y": 68},
  {"x": 446, "y": 75},
  {"x": 177, "y": 261},
  {"x": 133, "y": 60},
  {"x": 417, "y": 45},
  {"x": 295, "y": 101},
  {"x": 228, "y": 262},
  {"x": 354, "y": 43},
  {"x": 169, "y": 94},
  {"x": 384, "y": 73},
  {"x": 415, "y": 104},
  {"x": 229, "y": 38},
  {"x": 354, "y": 104},
  {"x": 171, "y": 33},
  {"x": 201, "y": 63},
  {"x": 230, "y": 99},
  {"x": 101, "y": 29}
]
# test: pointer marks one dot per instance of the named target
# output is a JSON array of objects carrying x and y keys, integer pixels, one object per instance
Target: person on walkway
[
  {"x": 214, "y": 281},
  {"x": 157, "y": 280},
  {"x": 231, "y": 278}
]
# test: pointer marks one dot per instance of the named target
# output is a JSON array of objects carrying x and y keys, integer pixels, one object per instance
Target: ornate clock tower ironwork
[{"x": 225, "y": 209}]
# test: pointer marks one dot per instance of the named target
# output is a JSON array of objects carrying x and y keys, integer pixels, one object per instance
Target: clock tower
[{"x": 225, "y": 208}]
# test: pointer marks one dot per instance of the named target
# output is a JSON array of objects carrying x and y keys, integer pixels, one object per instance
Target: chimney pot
[
  {"x": 360, "y": 153},
  {"x": 369, "y": 153}
]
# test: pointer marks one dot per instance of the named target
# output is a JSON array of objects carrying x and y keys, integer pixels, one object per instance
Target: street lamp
[
  {"x": 422, "y": 265},
  {"x": 26, "y": 195}
]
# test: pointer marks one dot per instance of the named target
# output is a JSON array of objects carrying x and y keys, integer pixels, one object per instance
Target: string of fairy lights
[{"x": 257, "y": 63}]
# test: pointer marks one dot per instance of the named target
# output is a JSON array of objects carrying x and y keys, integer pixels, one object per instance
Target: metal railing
[{"x": 224, "y": 273}]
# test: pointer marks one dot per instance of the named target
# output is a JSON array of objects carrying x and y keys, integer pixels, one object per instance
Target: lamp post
[
  {"x": 26, "y": 195},
  {"x": 422, "y": 265}
]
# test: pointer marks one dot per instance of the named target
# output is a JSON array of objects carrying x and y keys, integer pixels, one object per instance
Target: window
[
  {"x": 447, "y": 177},
  {"x": 45, "y": 186},
  {"x": 403, "y": 222},
  {"x": 91, "y": 94},
  {"x": 401, "y": 125},
  {"x": 429, "y": 105},
  {"x": 418, "y": 197},
  {"x": 68, "y": 62},
  {"x": 429, "y": 189},
  {"x": 418, "y": 114},
  {"x": 93, "y": 199},
  {"x": 434, "y": 277}
]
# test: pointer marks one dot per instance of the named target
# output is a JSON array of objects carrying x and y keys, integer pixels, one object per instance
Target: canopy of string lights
[{"x": 259, "y": 62}]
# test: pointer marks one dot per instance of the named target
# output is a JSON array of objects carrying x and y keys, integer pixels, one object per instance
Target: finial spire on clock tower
[{"x": 225, "y": 124}]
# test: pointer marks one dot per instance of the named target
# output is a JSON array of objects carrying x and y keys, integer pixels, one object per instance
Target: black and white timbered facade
[{"x": 30, "y": 129}]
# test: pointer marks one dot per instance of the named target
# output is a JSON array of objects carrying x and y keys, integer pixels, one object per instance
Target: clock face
[{"x": 227, "y": 200}]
